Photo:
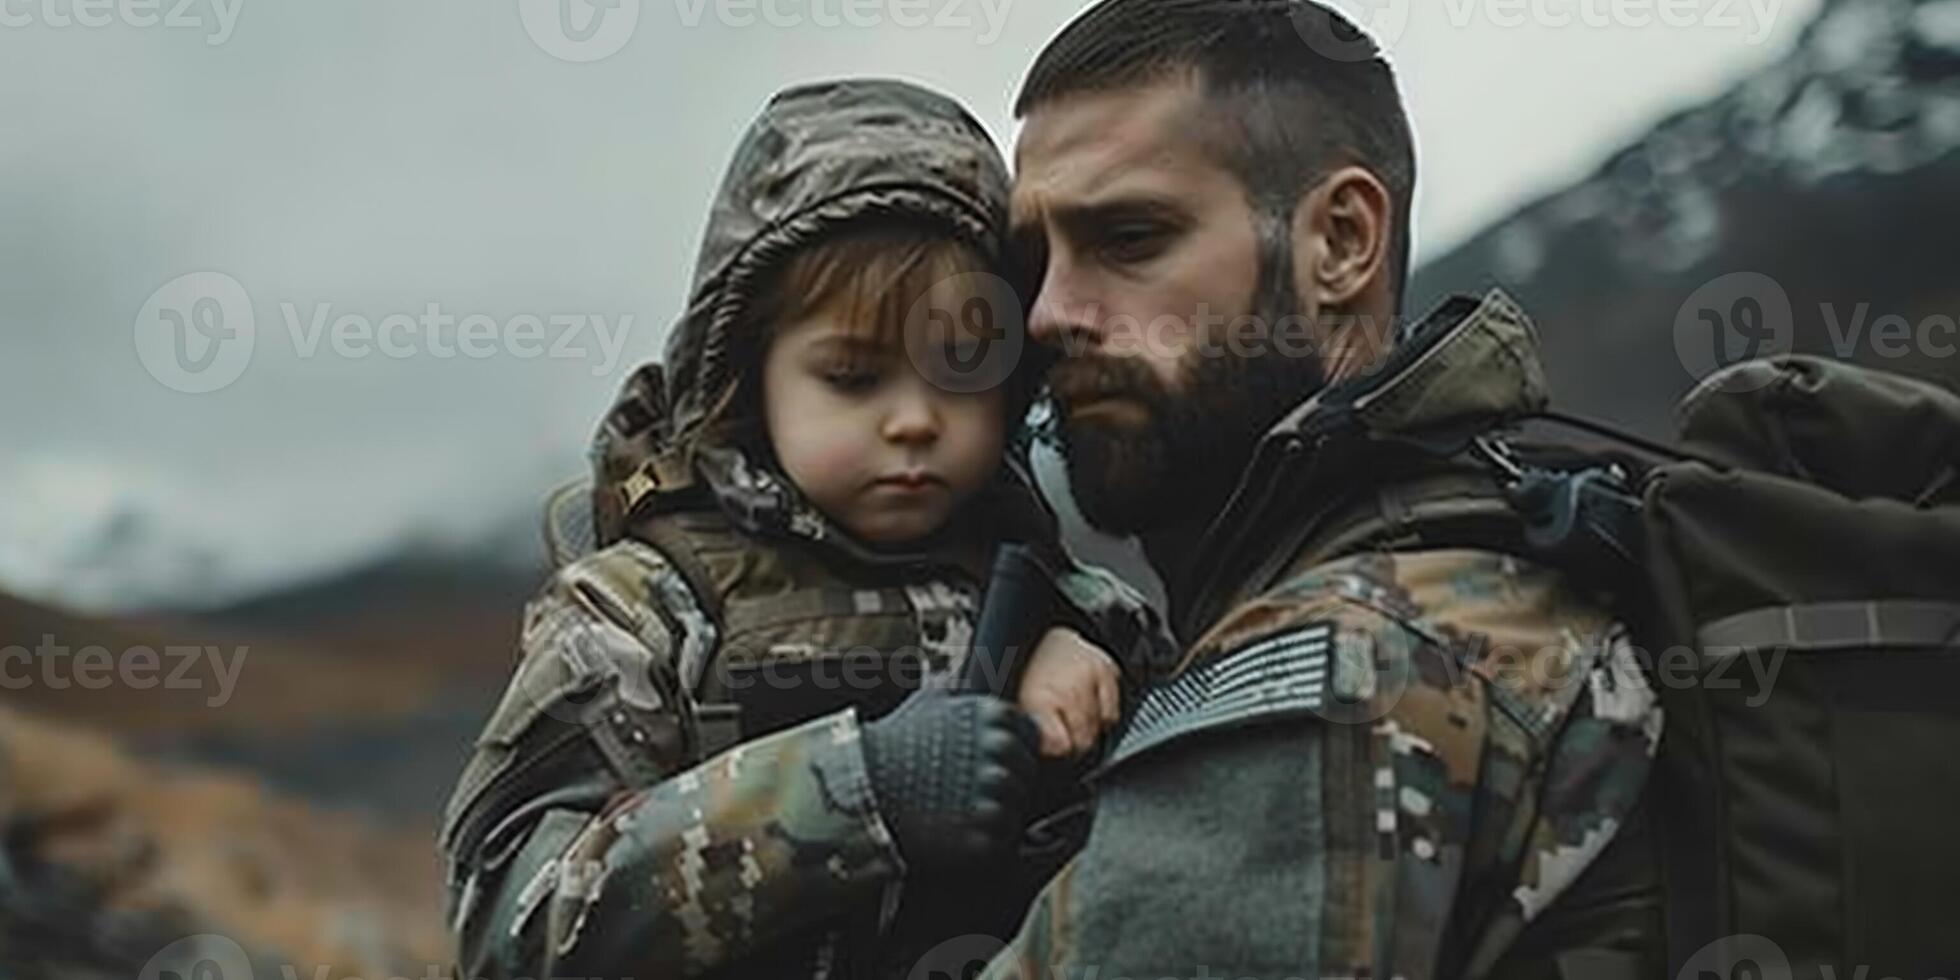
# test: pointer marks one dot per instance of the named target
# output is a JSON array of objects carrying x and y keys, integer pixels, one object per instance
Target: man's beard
[{"x": 1194, "y": 443}]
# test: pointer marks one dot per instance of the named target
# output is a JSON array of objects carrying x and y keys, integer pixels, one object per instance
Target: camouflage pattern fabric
[
  {"x": 697, "y": 871},
  {"x": 584, "y": 840},
  {"x": 1390, "y": 763},
  {"x": 595, "y": 831},
  {"x": 945, "y": 617}
]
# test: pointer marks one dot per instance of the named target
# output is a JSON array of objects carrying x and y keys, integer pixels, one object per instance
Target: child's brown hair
[{"x": 875, "y": 270}]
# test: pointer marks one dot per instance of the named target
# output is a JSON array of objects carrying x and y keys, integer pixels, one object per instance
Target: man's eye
[{"x": 1135, "y": 243}]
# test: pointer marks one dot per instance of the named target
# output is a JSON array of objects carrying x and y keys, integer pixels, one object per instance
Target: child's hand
[{"x": 1072, "y": 691}]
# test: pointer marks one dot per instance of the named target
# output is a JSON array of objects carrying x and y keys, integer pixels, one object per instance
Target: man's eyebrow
[
  {"x": 1024, "y": 224},
  {"x": 1080, "y": 220}
]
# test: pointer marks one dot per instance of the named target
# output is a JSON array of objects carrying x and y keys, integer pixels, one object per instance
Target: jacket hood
[{"x": 817, "y": 158}]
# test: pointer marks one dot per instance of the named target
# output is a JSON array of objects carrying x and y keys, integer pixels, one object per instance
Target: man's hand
[
  {"x": 952, "y": 775},
  {"x": 1073, "y": 691}
]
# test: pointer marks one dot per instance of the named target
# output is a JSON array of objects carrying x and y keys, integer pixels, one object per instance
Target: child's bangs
[
  {"x": 872, "y": 280},
  {"x": 869, "y": 277}
]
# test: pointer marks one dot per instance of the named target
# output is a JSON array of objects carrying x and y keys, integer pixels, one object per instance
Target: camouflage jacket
[
  {"x": 611, "y": 822},
  {"x": 1392, "y": 749}
]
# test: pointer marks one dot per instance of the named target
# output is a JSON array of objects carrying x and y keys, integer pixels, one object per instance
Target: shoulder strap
[
  {"x": 1459, "y": 507},
  {"x": 718, "y": 726},
  {"x": 682, "y": 547},
  {"x": 1580, "y": 515}
]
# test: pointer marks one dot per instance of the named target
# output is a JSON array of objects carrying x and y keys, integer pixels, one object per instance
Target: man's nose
[{"x": 1063, "y": 316}]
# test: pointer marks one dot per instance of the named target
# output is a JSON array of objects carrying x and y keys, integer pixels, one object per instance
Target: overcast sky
[{"x": 374, "y": 157}]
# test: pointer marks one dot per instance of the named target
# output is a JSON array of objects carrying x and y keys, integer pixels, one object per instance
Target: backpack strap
[
  {"x": 682, "y": 546},
  {"x": 679, "y": 537},
  {"x": 1456, "y": 507},
  {"x": 1452, "y": 509}
]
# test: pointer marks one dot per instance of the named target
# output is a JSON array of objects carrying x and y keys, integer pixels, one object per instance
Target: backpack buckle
[{"x": 1498, "y": 454}]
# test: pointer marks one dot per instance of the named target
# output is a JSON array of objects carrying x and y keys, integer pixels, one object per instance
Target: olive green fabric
[{"x": 1807, "y": 575}]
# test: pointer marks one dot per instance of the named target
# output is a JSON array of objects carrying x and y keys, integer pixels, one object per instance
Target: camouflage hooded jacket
[
  {"x": 1390, "y": 751},
  {"x": 598, "y": 830}
]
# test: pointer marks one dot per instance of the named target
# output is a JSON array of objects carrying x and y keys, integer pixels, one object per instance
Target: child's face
[{"x": 876, "y": 445}]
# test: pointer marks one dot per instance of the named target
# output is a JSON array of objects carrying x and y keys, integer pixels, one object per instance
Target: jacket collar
[
  {"x": 756, "y": 498},
  {"x": 1469, "y": 366}
]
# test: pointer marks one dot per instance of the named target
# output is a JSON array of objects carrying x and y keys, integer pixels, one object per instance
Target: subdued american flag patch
[{"x": 1279, "y": 675}]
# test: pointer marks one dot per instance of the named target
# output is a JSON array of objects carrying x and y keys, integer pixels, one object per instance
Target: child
[{"x": 703, "y": 764}]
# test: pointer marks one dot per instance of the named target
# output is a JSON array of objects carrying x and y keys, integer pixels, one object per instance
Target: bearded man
[{"x": 1396, "y": 746}]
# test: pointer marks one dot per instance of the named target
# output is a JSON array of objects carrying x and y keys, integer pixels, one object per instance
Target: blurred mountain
[
  {"x": 105, "y": 536},
  {"x": 360, "y": 690},
  {"x": 107, "y": 863},
  {"x": 422, "y": 645},
  {"x": 274, "y": 777},
  {"x": 1832, "y": 171},
  {"x": 80, "y": 530},
  {"x": 355, "y": 608}
]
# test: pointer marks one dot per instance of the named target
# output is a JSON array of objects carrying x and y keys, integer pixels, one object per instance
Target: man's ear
[{"x": 1340, "y": 239}]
